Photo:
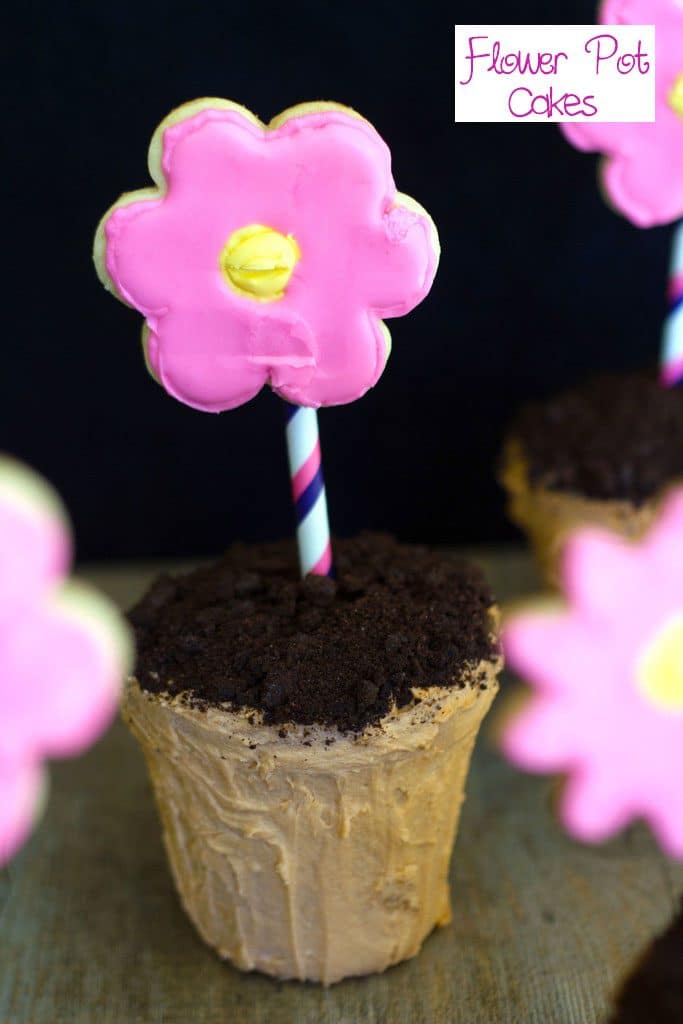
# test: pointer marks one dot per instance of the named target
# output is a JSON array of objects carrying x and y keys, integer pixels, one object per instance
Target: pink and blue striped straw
[
  {"x": 672, "y": 341},
  {"x": 308, "y": 491}
]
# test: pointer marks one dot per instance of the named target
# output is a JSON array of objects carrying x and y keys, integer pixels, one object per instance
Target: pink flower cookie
[
  {"x": 267, "y": 254},
  {"x": 607, "y": 675},
  {"x": 63, "y": 650},
  {"x": 643, "y": 172}
]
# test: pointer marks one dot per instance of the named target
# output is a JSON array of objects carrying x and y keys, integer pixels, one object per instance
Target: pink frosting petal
[
  {"x": 542, "y": 647},
  {"x": 289, "y": 171},
  {"x": 541, "y": 738},
  {"x": 648, "y": 188},
  {"x": 60, "y": 684},
  {"x": 35, "y": 549},
  {"x": 21, "y": 784},
  {"x": 666, "y": 536},
  {"x": 664, "y": 550},
  {"x": 593, "y": 805},
  {"x": 600, "y": 572},
  {"x": 136, "y": 236},
  {"x": 643, "y": 166},
  {"x": 398, "y": 262},
  {"x": 643, "y": 12},
  {"x": 586, "y": 137},
  {"x": 353, "y": 354},
  {"x": 226, "y": 366}
]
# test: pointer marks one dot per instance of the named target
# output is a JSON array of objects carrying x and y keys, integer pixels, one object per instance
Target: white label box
[{"x": 555, "y": 73}]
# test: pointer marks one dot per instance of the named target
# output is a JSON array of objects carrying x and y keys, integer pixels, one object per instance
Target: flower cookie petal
[
  {"x": 618, "y": 12},
  {"x": 283, "y": 346},
  {"x": 643, "y": 12},
  {"x": 541, "y": 738},
  {"x": 643, "y": 166},
  {"x": 22, "y": 785},
  {"x": 663, "y": 565},
  {"x": 204, "y": 357},
  {"x": 97, "y": 651},
  {"x": 342, "y": 166},
  {"x": 599, "y": 572},
  {"x": 589, "y": 138},
  {"x": 594, "y": 805},
  {"x": 542, "y": 646},
  {"x": 647, "y": 188},
  {"x": 664, "y": 543},
  {"x": 61, "y": 666},
  {"x": 159, "y": 247},
  {"x": 398, "y": 261},
  {"x": 35, "y": 544},
  {"x": 352, "y": 353},
  {"x": 139, "y": 250}
]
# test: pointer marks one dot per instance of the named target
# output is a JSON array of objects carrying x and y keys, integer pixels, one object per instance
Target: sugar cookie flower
[
  {"x": 608, "y": 679},
  {"x": 643, "y": 172},
  {"x": 63, "y": 650},
  {"x": 267, "y": 254}
]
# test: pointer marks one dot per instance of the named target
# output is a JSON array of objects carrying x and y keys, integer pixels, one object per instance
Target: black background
[{"x": 539, "y": 282}]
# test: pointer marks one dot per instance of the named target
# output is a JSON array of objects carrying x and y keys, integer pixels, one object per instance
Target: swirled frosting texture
[
  {"x": 303, "y": 317},
  {"x": 305, "y": 858}
]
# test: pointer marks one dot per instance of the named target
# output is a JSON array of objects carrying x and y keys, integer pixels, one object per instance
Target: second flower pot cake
[
  {"x": 308, "y": 744},
  {"x": 603, "y": 454}
]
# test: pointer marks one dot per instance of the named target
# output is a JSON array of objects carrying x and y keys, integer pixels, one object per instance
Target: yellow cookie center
[
  {"x": 676, "y": 96},
  {"x": 660, "y": 667},
  {"x": 258, "y": 262}
]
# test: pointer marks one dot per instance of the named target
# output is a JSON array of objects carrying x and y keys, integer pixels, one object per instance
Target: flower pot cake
[
  {"x": 308, "y": 744},
  {"x": 603, "y": 454}
]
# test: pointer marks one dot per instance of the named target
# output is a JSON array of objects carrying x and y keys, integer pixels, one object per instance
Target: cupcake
[
  {"x": 308, "y": 743},
  {"x": 602, "y": 454}
]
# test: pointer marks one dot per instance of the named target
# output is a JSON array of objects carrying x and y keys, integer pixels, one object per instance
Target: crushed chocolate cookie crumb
[
  {"x": 247, "y": 632},
  {"x": 619, "y": 436}
]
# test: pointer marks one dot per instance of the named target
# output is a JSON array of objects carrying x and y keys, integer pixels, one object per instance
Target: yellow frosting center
[
  {"x": 660, "y": 667},
  {"x": 258, "y": 262},
  {"x": 676, "y": 96}
]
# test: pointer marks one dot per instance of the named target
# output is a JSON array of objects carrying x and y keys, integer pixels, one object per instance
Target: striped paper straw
[
  {"x": 672, "y": 342},
  {"x": 308, "y": 491}
]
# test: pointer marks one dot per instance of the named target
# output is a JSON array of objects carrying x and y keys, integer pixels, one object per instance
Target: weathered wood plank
[
  {"x": 544, "y": 929},
  {"x": 4, "y": 890}
]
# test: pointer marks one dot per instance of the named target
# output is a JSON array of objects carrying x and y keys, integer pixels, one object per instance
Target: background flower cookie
[
  {"x": 643, "y": 168},
  {"x": 607, "y": 675},
  {"x": 63, "y": 650}
]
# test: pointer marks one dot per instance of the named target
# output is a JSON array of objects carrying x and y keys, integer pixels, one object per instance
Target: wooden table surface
[{"x": 91, "y": 931}]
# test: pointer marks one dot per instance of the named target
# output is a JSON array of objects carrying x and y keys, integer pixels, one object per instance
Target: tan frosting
[
  {"x": 547, "y": 516},
  {"x": 313, "y": 862}
]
